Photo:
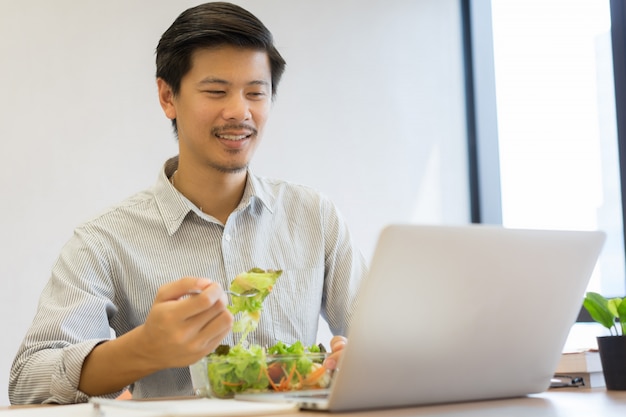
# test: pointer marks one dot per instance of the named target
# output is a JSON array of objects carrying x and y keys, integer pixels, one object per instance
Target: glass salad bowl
[{"x": 256, "y": 369}]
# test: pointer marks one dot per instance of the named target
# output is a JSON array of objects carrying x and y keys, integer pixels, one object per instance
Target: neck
[{"x": 217, "y": 194}]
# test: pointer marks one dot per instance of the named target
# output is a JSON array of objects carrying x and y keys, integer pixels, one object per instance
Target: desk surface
[{"x": 554, "y": 403}]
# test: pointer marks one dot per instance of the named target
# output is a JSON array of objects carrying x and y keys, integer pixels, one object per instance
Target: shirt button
[{"x": 227, "y": 237}]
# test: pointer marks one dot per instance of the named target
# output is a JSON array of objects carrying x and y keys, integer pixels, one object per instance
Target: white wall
[{"x": 370, "y": 111}]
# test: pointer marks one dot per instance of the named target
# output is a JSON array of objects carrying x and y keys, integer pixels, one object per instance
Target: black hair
[{"x": 211, "y": 25}]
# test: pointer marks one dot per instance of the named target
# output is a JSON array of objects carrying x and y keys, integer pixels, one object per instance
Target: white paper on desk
[
  {"x": 166, "y": 408},
  {"x": 73, "y": 410}
]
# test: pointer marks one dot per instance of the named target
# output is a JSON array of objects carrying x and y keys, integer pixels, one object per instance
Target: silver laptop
[{"x": 458, "y": 313}]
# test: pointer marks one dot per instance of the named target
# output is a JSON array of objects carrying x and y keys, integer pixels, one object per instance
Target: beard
[
  {"x": 229, "y": 168},
  {"x": 233, "y": 167}
]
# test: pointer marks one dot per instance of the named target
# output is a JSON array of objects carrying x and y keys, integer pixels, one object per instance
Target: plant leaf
[
  {"x": 598, "y": 309},
  {"x": 621, "y": 314},
  {"x": 613, "y": 304}
]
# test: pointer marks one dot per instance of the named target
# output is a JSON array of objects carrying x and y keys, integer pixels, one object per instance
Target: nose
[{"x": 236, "y": 108}]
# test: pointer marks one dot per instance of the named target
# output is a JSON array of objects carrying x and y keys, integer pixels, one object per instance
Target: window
[
  {"x": 559, "y": 165},
  {"x": 557, "y": 142}
]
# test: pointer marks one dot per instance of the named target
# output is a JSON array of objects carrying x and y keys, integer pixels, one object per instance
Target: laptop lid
[{"x": 461, "y": 313}]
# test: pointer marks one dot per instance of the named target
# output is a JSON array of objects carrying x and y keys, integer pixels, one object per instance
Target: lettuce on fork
[{"x": 251, "y": 307}]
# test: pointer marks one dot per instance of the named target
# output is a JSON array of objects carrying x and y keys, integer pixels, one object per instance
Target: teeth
[{"x": 232, "y": 137}]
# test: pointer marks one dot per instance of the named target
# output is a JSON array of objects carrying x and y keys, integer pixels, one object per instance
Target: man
[{"x": 115, "y": 312}]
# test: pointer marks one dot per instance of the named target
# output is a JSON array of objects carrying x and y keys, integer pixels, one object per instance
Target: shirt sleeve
[
  {"x": 345, "y": 268},
  {"x": 72, "y": 318}
]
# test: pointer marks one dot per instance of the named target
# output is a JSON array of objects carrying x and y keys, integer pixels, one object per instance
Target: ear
[{"x": 166, "y": 98}]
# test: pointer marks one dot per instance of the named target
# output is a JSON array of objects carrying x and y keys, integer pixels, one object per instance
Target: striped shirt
[{"x": 107, "y": 275}]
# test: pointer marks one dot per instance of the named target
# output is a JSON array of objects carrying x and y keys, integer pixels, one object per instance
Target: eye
[
  {"x": 215, "y": 93},
  {"x": 257, "y": 95}
]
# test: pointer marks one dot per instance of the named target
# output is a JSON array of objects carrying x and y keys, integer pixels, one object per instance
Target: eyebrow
[{"x": 215, "y": 80}]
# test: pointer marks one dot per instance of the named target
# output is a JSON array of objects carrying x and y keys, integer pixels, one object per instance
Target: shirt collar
[
  {"x": 172, "y": 204},
  {"x": 174, "y": 207},
  {"x": 256, "y": 189}
]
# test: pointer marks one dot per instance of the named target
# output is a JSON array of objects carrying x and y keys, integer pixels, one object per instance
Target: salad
[{"x": 280, "y": 367}]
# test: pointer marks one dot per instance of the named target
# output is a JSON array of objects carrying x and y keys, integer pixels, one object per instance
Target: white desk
[{"x": 568, "y": 402}]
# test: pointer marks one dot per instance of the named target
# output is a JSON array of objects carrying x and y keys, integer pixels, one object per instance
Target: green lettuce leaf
[
  {"x": 238, "y": 370},
  {"x": 251, "y": 307}
]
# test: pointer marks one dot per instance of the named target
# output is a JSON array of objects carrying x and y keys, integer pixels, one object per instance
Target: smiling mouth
[
  {"x": 234, "y": 132},
  {"x": 233, "y": 137}
]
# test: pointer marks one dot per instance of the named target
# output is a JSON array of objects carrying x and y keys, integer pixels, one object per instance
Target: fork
[{"x": 246, "y": 294}]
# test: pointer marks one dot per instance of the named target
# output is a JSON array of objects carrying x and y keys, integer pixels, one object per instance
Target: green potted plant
[{"x": 611, "y": 313}]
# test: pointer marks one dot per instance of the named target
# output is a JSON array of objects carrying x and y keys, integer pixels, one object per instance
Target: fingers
[
  {"x": 200, "y": 309},
  {"x": 214, "y": 332},
  {"x": 337, "y": 343},
  {"x": 193, "y": 296},
  {"x": 211, "y": 321},
  {"x": 207, "y": 303},
  {"x": 179, "y": 330},
  {"x": 177, "y": 289}
]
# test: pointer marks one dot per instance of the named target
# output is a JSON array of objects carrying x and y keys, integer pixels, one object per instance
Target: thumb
[{"x": 181, "y": 287}]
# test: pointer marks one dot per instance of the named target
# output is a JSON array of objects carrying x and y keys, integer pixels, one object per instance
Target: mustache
[{"x": 234, "y": 126}]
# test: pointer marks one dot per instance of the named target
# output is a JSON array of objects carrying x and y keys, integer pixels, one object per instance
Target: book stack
[{"x": 584, "y": 364}]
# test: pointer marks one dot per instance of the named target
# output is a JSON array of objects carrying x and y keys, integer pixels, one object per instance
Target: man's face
[{"x": 221, "y": 108}]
